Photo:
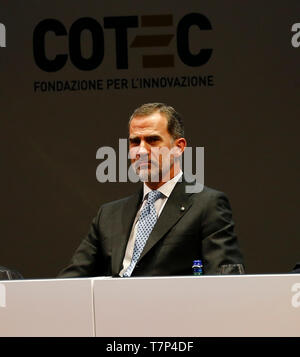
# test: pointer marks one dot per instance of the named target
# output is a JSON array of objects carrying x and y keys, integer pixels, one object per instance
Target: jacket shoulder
[{"x": 209, "y": 192}]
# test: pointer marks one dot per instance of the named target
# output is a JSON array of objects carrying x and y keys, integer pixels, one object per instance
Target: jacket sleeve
[{"x": 220, "y": 249}]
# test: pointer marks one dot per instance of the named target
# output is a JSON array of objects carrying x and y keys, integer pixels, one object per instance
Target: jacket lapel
[
  {"x": 171, "y": 214},
  {"x": 120, "y": 241}
]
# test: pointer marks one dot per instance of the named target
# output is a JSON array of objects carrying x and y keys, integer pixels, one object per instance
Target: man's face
[{"x": 150, "y": 147}]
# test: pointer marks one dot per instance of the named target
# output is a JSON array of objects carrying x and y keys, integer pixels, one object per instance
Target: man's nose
[{"x": 143, "y": 148}]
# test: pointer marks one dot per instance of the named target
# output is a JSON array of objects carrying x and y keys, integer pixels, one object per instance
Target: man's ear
[{"x": 179, "y": 146}]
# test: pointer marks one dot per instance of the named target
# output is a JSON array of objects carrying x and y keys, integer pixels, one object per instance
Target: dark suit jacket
[
  {"x": 9, "y": 274},
  {"x": 204, "y": 229},
  {"x": 296, "y": 268}
]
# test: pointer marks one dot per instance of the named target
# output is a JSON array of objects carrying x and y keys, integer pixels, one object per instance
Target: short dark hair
[{"x": 175, "y": 123}]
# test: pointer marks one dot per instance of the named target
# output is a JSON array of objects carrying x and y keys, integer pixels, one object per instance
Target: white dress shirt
[{"x": 159, "y": 204}]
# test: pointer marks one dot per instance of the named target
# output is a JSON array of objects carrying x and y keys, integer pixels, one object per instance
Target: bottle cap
[{"x": 197, "y": 262}]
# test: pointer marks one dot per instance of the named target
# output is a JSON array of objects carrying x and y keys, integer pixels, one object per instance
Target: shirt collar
[{"x": 166, "y": 188}]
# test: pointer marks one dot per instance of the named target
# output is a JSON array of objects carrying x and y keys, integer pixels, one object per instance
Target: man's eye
[
  {"x": 134, "y": 142},
  {"x": 151, "y": 140}
]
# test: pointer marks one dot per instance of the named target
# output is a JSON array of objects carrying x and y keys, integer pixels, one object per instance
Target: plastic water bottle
[{"x": 197, "y": 267}]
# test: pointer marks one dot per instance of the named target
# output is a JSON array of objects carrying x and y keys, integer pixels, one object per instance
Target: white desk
[
  {"x": 215, "y": 306},
  {"x": 219, "y": 306},
  {"x": 44, "y": 308}
]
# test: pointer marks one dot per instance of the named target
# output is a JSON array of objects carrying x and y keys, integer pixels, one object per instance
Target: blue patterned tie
[{"x": 146, "y": 223}]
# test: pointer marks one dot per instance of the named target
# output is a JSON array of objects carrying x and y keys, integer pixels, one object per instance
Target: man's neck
[{"x": 170, "y": 175}]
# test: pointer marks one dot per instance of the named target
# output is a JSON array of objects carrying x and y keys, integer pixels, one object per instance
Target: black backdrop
[{"x": 247, "y": 120}]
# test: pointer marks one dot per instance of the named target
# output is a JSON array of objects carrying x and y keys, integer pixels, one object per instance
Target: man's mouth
[{"x": 144, "y": 163}]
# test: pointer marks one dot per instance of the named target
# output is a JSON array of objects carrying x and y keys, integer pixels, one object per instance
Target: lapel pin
[{"x": 182, "y": 208}]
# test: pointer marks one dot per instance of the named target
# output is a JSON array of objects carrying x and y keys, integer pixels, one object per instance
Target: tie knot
[{"x": 153, "y": 196}]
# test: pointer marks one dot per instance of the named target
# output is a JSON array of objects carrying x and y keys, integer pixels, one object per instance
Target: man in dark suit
[
  {"x": 162, "y": 228},
  {"x": 296, "y": 268}
]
